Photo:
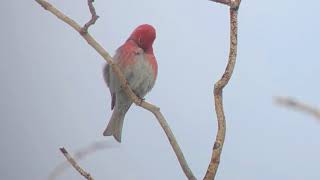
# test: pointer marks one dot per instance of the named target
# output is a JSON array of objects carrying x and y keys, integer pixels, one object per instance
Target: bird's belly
[{"x": 141, "y": 77}]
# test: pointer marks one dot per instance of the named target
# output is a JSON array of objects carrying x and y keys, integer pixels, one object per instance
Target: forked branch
[
  {"x": 218, "y": 89},
  {"x": 152, "y": 108}
]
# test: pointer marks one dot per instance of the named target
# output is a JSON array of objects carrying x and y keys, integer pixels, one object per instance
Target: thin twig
[
  {"x": 93, "y": 19},
  {"x": 75, "y": 165},
  {"x": 218, "y": 89},
  {"x": 78, "y": 155},
  {"x": 226, "y": 2},
  {"x": 297, "y": 105},
  {"x": 139, "y": 102}
]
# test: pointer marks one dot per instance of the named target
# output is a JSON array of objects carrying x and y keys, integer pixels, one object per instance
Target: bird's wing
[
  {"x": 125, "y": 55},
  {"x": 106, "y": 76}
]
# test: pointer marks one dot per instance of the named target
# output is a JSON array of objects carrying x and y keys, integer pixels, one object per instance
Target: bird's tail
[{"x": 115, "y": 125}]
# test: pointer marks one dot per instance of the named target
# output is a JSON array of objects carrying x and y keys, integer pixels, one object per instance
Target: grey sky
[{"x": 52, "y": 91}]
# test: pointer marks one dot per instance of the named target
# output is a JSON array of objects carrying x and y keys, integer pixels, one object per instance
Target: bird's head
[{"x": 144, "y": 36}]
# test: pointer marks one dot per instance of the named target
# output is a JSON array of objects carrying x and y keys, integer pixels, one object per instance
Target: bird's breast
[{"x": 141, "y": 75}]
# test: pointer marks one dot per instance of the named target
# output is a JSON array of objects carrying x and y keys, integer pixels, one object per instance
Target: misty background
[{"x": 53, "y": 94}]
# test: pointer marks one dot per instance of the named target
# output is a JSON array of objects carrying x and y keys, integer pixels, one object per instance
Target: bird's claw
[{"x": 140, "y": 100}]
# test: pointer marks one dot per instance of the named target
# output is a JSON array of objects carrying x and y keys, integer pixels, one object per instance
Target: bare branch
[
  {"x": 218, "y": 89},
  {"x": 75, "y": 165},
  {"x": 78, "y": 155},
  {"x": 139, "y": 102},
  {"x": 93, "y": 19},
  {"x": 297, "y": 105}
]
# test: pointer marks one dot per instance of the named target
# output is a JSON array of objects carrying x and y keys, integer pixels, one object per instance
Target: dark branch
[{"x": 93, "y": 19}]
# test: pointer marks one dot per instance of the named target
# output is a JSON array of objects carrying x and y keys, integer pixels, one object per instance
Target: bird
[{"x": 138, "y": 63}]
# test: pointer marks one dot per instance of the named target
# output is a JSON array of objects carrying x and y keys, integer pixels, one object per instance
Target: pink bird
[{"x": 138, "y": 63}]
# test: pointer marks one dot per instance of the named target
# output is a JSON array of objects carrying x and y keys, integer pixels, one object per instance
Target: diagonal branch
[
  {"x": 297, "y": 105},
  {"x": 78, "y": 155},
  {"x": 218, "y": 89},
  {"x": 75, "y": 165},
  {"x": 139, "y": 102}
]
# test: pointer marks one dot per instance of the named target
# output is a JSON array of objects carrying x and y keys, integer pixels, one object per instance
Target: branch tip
[
  {"x": 44, "y": 4},
  {"x": 63, "y": 150},
  {"x": 297, "y": 105}
]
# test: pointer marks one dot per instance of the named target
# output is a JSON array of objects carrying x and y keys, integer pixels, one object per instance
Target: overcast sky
[{"x": 53, "y": 94}]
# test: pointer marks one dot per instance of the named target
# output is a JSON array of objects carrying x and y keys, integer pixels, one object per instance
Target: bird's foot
[{"x": 140, "y": 100}]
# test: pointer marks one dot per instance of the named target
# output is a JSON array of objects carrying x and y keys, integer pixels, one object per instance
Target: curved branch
[
  {"x": 93, "y": 19},
  {"x": 75, "y": 165},
  {"x": 152, "y": 108},
  {"x": 218, "y": 88}
]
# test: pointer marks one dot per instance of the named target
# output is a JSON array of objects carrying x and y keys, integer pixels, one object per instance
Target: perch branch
[
  {"x": 75, "y": 165},
  {"x": 139, "y": 102},
  {"x": 78, "y": 155},
  {"x": 297, "y": 105},
  {"x": 218, "y": 89}
]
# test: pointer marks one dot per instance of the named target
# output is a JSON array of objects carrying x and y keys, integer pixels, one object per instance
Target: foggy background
[{"x": 53, "y": 94}]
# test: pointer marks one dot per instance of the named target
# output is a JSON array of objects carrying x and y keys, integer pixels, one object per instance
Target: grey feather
[{"x": 141, "y": 79}]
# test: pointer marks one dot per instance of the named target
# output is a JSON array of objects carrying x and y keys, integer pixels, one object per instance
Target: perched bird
[{"x": 138, "y": 63}]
